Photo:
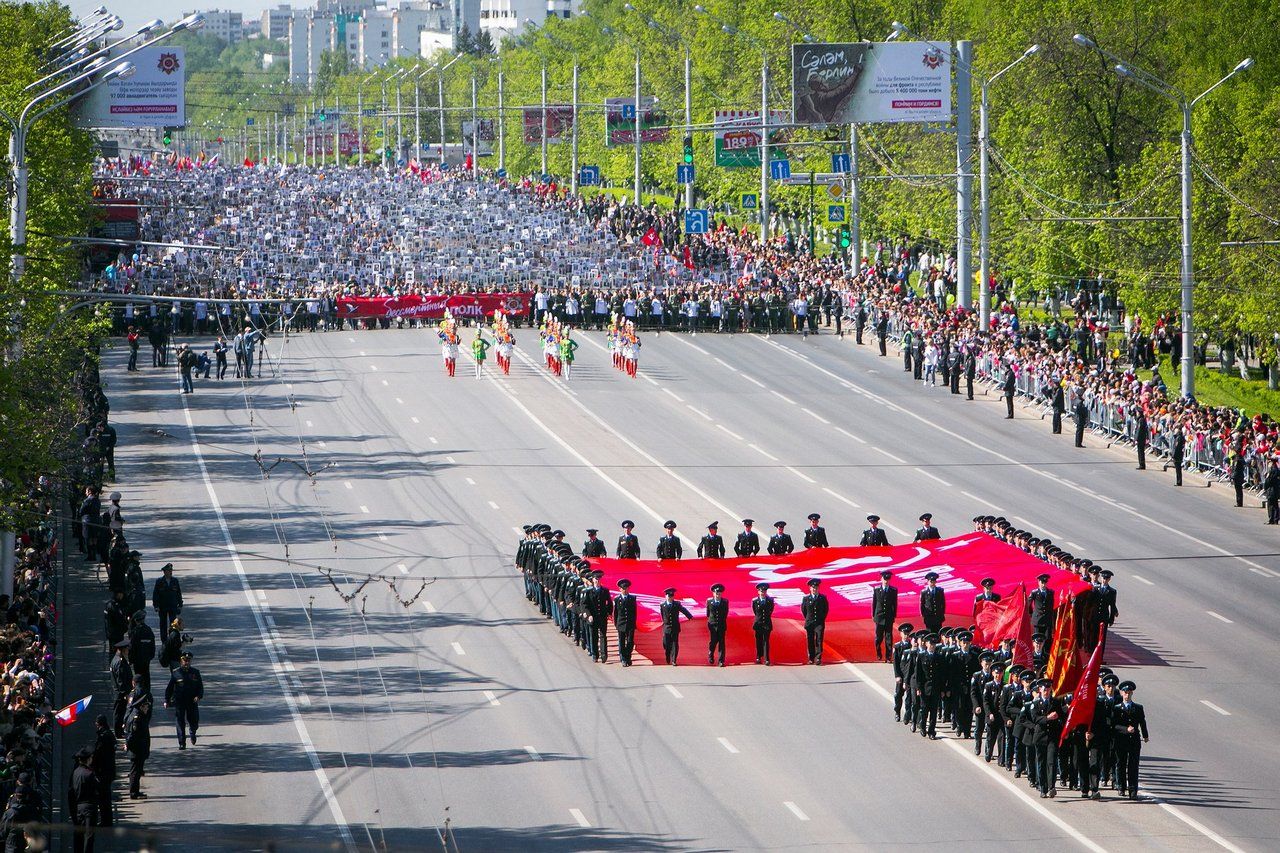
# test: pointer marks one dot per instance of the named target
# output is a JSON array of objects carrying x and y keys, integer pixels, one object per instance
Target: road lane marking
[
  {"x": 724, "y": 741},
  {"x": 671, "y": 688},
  {"x": 691, "y": 344},
  {"x": 815, "y": 415},
  {"x": 384, "y": 382},
  {"x": 304, "y": 700},
  {"x": 795, "y": 810},
  {"x": 322, "y": 444},
  {"x": 841, "y": 497},
  {"x": 983, "y": 501},
  {"x": 382, "y": 536},
  {"x": 753, "y": 380},
  {"x": 398, "y": 400},
  {"x": 262, "y": 596},
  {"x": 698, "y": 412},
  {"x": 403, "y": 568},
  {"x": 347, "y": 483},
  {"x": 1030, "y": 526},
  {"x": 493, "y": 505},
  {"x": 457, "y": 648},
  {"x": 763, "y": 453},
  {"x": 1141, "y": 579},
  {"x": 362, "y": 352},
  {"x": 1209, "y": 704},
  {"x": 470, "y": 482},
  {"x": 643, "y": 376},
  {"x": 309, "y": 423},
  {"x": 801, "y": 475},
  {"x": 1219, "y": 617},
  {"x": 1196, "y": 825},
  {"x": 724, "y": 363},
  {"x": 428, "y": 606},
  {"x": 353, "y": 340},
  {"x": 533, "y": 753},
  {"x": 935, "y": 477},
  {"x": 373, "y": 367},
  {"x": 364, "y": 509},
  {"x": 783, "y": 397},
  {"x": 414, "y": 418},
  {"x": 449, "y": 459},
  {"x": 673, "y": 395},
  {"x": 845, "y": 432},
  {"x": 580, "y": 818},
  {"x": 897, "y": 459},
  {"x": 432, "y": 439},
  {"x": 730, "y": 432},
  {"x": 493, "y": 699}
]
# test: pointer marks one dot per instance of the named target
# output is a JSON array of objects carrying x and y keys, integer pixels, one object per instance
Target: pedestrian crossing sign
[
  {"x": 750, "y": 201},
  {"x": 837, "y": 214}
]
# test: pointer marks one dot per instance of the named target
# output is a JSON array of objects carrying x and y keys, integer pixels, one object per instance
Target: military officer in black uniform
[
  {"x": 926, "y": 531},
  {"x": 628, "y": 544},
  {"x": 930, "y": 680},
  {"x": 1105, "y": 595},
  {"x": 970, "y": 370},
  {"x": 964, "y": 663},
  {"x": 624, "y": 620},
  {"x": 884, "y": 612},
  {"x": 1042, "y": 607},
  {"x": 1008, "y": 390},
  {"x": 593, "y": 547},
  {"x": 599, "y": 609},
  {"x": 1142, "y": 435},
  {"x": 780, "y": 543},
  {"x": 1081, "y": 413},
  {"x": 901, "y": 671},
  {"x": 669, "y": 546},
  {"x": 882, "y": 332},
  {"x": 987, "y": 594},
  {"x": 748, "y": 542},
  {"x": 762, "y": 622},
  {"x": 1047, "y": 716},
  {"x": 814, "y": 608},
  {"x": 933, "y": 604},
  {"x": 1059, "y": 405},
  {"x": 815, "y": 536},
  {"x": 670, "y": 610},
  {"x": 712, "y": 545},
  {"x": 873, "y": 535},
  {"x": 1129, "y": 733},
  {"x": 717, "y": 622},
  {"x": 977, "y": 689}
]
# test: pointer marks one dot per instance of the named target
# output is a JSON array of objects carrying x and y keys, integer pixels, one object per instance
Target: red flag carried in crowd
[
  {"x": 688, "y": 258},
  {"x": 1064, "y": 657},
  {"x": 650, "y": 237},
  {"x": 1007, "y": 618},
  {"x": 1084, "y": 699}
]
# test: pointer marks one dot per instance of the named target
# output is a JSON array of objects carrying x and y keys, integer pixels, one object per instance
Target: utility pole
[
  {"x": 764, "y": 147},
  {"x": 502, "y": 130},
  {"x": 543, "y": 117},
  {"x": 637, "y": 128},
  {"x": 855, "y": 200},
  {"x": 573, "y": 166},
  {"x": 964, "y": 173}
]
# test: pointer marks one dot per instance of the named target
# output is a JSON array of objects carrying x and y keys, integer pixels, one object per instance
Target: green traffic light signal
[
  {"x": 688, "y": 150},
  {"x": 845, "y": 239},
  {"x": 167, "y": 138}
]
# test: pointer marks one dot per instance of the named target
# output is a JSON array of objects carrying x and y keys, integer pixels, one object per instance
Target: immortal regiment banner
[
  {"x": 738, "y": 136},
  {"x": 558, "y": 124},
  {"x": 620, "y": 122},
  {"x": 429, "y": 306},
  {"x": 867, "y": 82},
  {"x": 848, "y": 575}
]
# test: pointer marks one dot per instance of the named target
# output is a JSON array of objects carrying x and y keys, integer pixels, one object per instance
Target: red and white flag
[
  {"x": 72, "y": 712},
  {"x": 650, "y": 237}
]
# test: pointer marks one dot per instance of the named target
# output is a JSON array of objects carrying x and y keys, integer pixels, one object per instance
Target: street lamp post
[
  {"x": 1132, "y": 73},
  {"x": 688, "y": 83},
  {"x": 440, "y": 95}
]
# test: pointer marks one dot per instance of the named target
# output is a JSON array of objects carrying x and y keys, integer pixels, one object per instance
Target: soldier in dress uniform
[
  {"x": 599, "y": 609},
  {"x": 964, "y": 663},
  {"x": 991, "y": 693},
  {"x": 670, "y": 610},
  {"x": 1107, "y": 700},
  {"x": 930, "y": 681},
  {"x": 988, "y": 594},
  {"x": 717, "y": 622},
  {"x": 933, "y": 604},
  {"x": 780, "y": 543},
  {"x": 1042, "y": 607},
  {"x": 901, "y": 666},
  {"x": 712, "y": 545},
  {"x": 1039, "y": 654},
  {"x": 976, "y": 689},
  {"x": 762, "y": 622},
  {"x": 1129, "y": 733},
  {"x": 1048, "y": 716},
  {"x": 815, "y": 536},
  {"x": 669, "y": 546},
  {"x": 628, "y": 544},
  {"x": 873, "y": 535},
  {"x": 624, "y": 620},
  {"x": 884, "y": 612},
  {"x": 748, "y": 542},
  {"x": 926, "y": 530},
  {"x": 593, "y": 547},
  {"x": 814, "y": 608},
  {"x": 1105, "y": 595}
]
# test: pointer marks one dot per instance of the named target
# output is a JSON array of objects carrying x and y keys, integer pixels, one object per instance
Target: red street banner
[
  {"x": 431, "y": 306},
  {"x": 848, "y": 577}
]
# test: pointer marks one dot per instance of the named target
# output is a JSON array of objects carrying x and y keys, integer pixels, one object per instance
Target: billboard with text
[
  {"x": 620, "y": 121},
  {"x": 558, "y": 124},
  {"x": 738, "y": 136},
  {"x": 155, "y": 96},
  {"x": 867, "y": 83}
]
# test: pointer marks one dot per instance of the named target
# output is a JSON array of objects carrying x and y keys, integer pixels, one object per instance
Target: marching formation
[
  {"x": 624, "y": 343},
  {"x": 558, "y": 346}
]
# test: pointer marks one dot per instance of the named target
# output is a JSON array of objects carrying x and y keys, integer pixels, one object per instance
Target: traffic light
[
  {"x": 688, "y": 150},
  {"x": 320, "y": 118},
  {"x": 845, "y": 238},
  {"x": 168, "y": 137}
]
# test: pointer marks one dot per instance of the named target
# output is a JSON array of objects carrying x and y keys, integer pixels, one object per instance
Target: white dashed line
[
  {"x": 724, "y": 741},
  {"x": 795, "y": 810},
  {"x": 309, "y": 423},
  {"x": 492, "y": 505},
  {"x": 673, "y": 395},
  {"x": 647, "y": 378},
  {"x": 724, "y": 363},
  {"x": 1219, "y": 617},
  {"x": 580, "y": 818},
  {"x": 493, "y": 699},
  {"x": 517, "y": 530},
  {"x": 288, "y": 666},
  {"x": 841, "y": 497},
  {"x": 262, "y": 596},
  {"x": 304, "y": 700},
  {"x": 729, "y": 431},
  {"x": 753, "y": 380},
  {"x": 845, "y": 432},
  {"x": 699, "y": 412},
  {"x": 398, "y": 400},
  {"x": 1224, "y": 712},
  {"x": 428, "y": 606},
  {"x": 364, "y": 509},
  {"x": 415, "y": 419},
  {"x": 1074, "y": 545},
  {"x": 783, "y": 397},
  {"x": 763, "y": 453},
  {"x": 403, "y": 568},
  {"x": 815, "y": 415},
  {"x": 934, "y": 477},
  {"x": 449, "y": 459},
  {"x": 983, "y": 501},
  {"x": 470, "y": 482},
  {"x": 353, "y": 340},
  {"x": 362, "y": 352},
  {"x": 384, "y": 382},
  {"x": 533, "y": 753},
  {"x": 457, "y": 649},
  {"x": 897, "y": 459},
  {"x": 347, "y": 483},
  {"x": 322, "y": 444},
  {"x": 801, "y": 475},
  {"x": 671, "y": 688},
  {"x": 1141, "y": 579},
  {"x": 373, "y": 367},
  {"x": 1031, "y": 526},
  {"x": 382, "y": 537}
]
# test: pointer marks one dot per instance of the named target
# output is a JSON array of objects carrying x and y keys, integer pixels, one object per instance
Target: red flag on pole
[
  {"x": 688, "y": 258},
  {"x": 650, "y": 237},
  {"x": 1008, "y": 618},
  {"x": 1084, "y": 699}
]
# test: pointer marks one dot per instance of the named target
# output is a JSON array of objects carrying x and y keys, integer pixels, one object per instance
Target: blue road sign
[
  {"x": 837, "y": 214},
  {"x": 502, "y": 173},
  {"x": 629, "y": 112},
  {"x": 589, "y": 176},
  {"x": 750, "y": 201},
  {"x": 369, "y": 112},
  {"x": 684, "y": 173},
  {"x": 697, "y": 221},
  {"x": 840, "y": 163},
  {"x": 248, "y": 122},
  {"x": 545, "y": 178},
  {"x": 779, "y": 170}
]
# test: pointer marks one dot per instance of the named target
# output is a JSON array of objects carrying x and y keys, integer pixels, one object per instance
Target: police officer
[
  {"x": 1042, "y": 607},
  {"x": 599, "y": 605},
  {"x": 104, "y": 767},
  {"x": 1058, "y": 403},
  {"x": 933, "y": 604},
  {"x": 142, "y": 647},
  {"x": 137, "y": 734},
  {"x": 992, "y": 692},
  {"x": 873, "y": 535},
  {"x": 977, "y": 689},
  {"x": 712, "y": 545},
  {"x": 669, "y": 546},
  {"x": 926, "y": 531},
  {"x": 882, "y": 332},
  {"x": 901, "y": 670},
  {"x": 624, "y": 620},
  {"x": 82, "y": 800},
  {"x": 814, "y": 608},
  {"x": 166, "y": 598},
  {"x": 780, "y": 543},
  {"x": 762, "y": 622},
  {"x": 717, "y": 622},
  {"x": 628, "y": 544},
  {"x": 594, "y": 547},
  {"x": 670, "y": 611},
  {"x": 1081, "y": 412},
  {"x": 815, "y": 536},
  {"x": 1008, "y": 390},
  {"x": 988, "y": 594},
  {"x": 122, "y": 680},
  {"x": 1141, "y": 437},
  {"x": 884, "y": 612},
  {"x": 930, "y": 681},
  {"x": 1047, "y": 716},
  {"x": 1129, "y": 728},
  {"x": 748, "y": 542},
  {"x": 185, "y": 690}
]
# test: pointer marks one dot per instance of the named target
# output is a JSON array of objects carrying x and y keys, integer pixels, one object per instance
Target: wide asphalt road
[{"x": 369, "y": 722}]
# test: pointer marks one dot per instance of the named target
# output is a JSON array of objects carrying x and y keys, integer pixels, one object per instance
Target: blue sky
[{"x": 138, "y": 12}]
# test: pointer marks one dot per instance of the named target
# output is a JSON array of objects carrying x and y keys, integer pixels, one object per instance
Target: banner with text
[
  {"x": 155, "y": 96},
  {"x": 738, "y": 136},
  {"x": 432, "y": 306},
  {"x": 620, "y": 121},
  {"x": 867, "y": 82}
]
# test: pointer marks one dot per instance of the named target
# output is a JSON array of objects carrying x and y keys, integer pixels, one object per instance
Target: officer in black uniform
[
  {"x": 712, "y": 545},
  {"x": 748, "y": 542},
  {"x": 1105, "y": 595},
  {"x": 83, "y": 796},
  {"x": 814, "y": 608},
  {"x": 859, "y": 321},
  {"x": 1042, "y": 607},
  {"x": 628, "y": 544},
  {"x": 926, "y": 531},
  {"x": 930, "y": 681},
  {"x": 593, "y": 547},
  {"x": 1129, "y": 733},
  {"x": 815, "y": 536},
  {"x": 624, "y": 620},
  {"x": 901, "y": 666},
  {"x": 1008, "y": 390},
  {"x": 670, "y": 610},
  {"x": 965, "y": 663},
  {"x": 987, "y": 594},
  {"x": 970, "y": 370},
  {"x": 991, "y": 707},
  {"x": 884, "y": 612},
  {"x": 1059, "y": 405},
  {"x": 762, "y": 622},
  {"x": 1081, "y": 412},
  {"x": 882, "y": 332},
  {"x": 185, "y": 690},
  {"x": 669, "y": 546},
  {"x": 873, "y": 535},
  {"x": 717, "y": 622},
  {"x": 780, "y": 543},
  {"x": 1141, "y": 437},
  {"x": 933, "y": 604},
  {"x": 977, "y": 689},
  {"x": 1047, "y": 716}
]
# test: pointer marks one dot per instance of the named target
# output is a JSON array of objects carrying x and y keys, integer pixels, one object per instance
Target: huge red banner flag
[
  {"x": 1084, "y": 699},
  {"x": 1009, "y": 618},
  {"x": 848, "y": 575},
  {"x": 432, "y": 306}
]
